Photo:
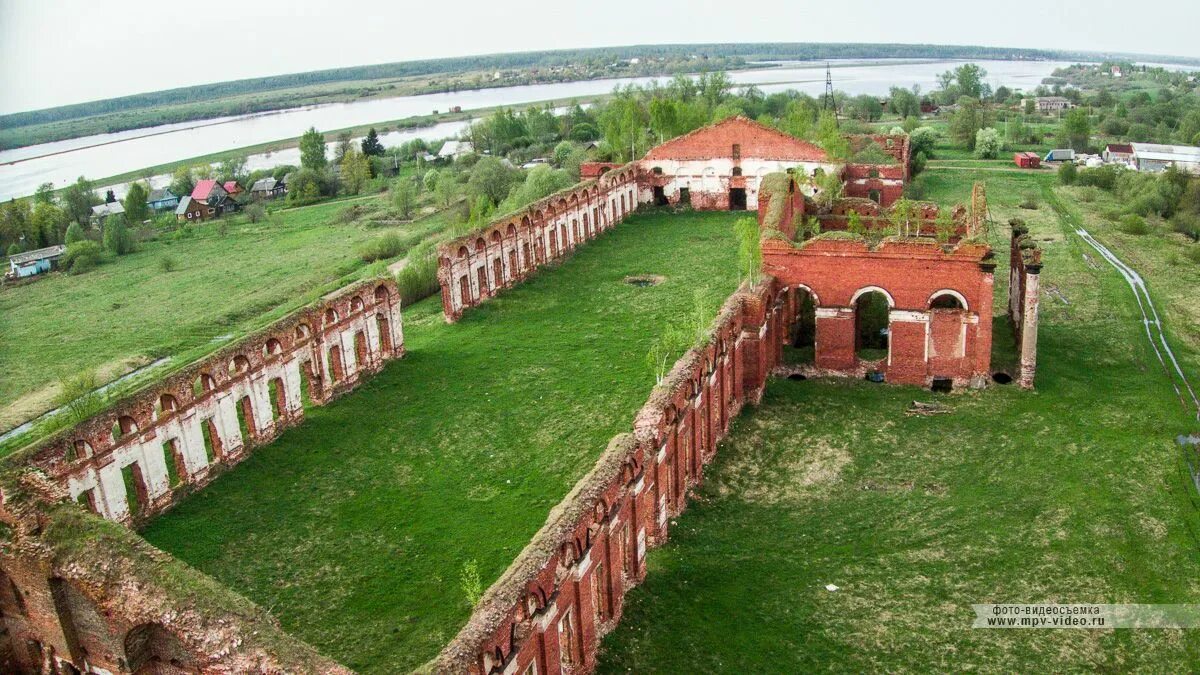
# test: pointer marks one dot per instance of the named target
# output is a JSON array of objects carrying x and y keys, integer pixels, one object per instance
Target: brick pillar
[
  {"x": 835, "y": 338},
  {"x": 983, "y": 334},
  {"x": 1029, "y": 324}
]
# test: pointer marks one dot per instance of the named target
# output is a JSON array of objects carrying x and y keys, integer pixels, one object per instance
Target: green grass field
[
  {"x": 1074, "y": 492},
  {"x": 130, "y": 311},
  {"x": 354, "y": 527}
]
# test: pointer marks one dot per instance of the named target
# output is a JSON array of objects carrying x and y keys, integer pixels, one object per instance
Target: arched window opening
[
  {"x": 303, "y": 332},
  {"x": 804, "y": 329},
  {"x": 204, "y": 383},
  {"x": 239, "y": 365},
  {"x": 462, "y": 251},
  {"x": 496, "y": 236},
  {"x": 356, "y": 304},
  {"x": 381, "y": 294},
  {"x": 871, "y": 326},
  {"x": 167, "y": 404},
  {"x": 123, "y": 426},
  {"x": 273, "y": 347},
  {"x": 151, "y": 648},
  {"x": 945, "y": 301},
  {"x": 331, "y": 316},
  {"x": 80, "y": 449},
  {"x": 479, "y": 244}
]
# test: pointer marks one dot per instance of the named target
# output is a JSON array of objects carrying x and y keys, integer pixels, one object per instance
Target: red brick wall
[
  {"x": 599, "y": 534},
  {"x": 1025, "y": 266},
  {"x": 86, "y": 460},
  {"x": 924, "y": 343},
  {"x": 481, "y": 264}
]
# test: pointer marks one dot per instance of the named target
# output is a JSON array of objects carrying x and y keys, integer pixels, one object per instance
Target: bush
[
  {"x": 1029, "y": 200},
  {"x": 988, "y": 143},
  {"x": 166, "y": 264},
  {"x": 116, "y": 236},
  {"x": 77, "y": 396},
  {"x": 74, "y": 234},
  {"x": 418, "y": 279},
  {"x": 256, "y": 212},
  {"x": 1088, "y": 194},
  {"x": 1187, "y": 224},
  {"x": 1193, "y": 253},
  {"x": 1133, "y": 224},
  {"x": 1103, "y": 177},
  {"x": 1068, "y": 173},
  {"x": 388, "y": 246},
  {"x": 82, "y": 256}
]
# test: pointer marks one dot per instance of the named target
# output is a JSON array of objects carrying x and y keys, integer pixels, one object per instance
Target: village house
[
  {"x": 101, "y": 212},
  {"x": 1118, "y": 153},
  {"x": 452, "y": 150},
  {"x": 32, "y": 263},
  {"x": 162, "y": 199},
  {"x": 215, "y": 196},
  {"x": 1053, "y": 104},
  {"x": 190, "y": 209},
  {"x": 232, "y": 188},
  {"x": 266, "y": 188}
]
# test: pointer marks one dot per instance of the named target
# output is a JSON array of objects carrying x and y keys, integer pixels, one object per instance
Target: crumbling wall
[
  {"x": 780, "y": 204},
  {"x": 81, "y": 594},
  {"x": 479, "y": 265},
  {"x": 1025, "y": 266},
  {"x": 548, "y": 611},
  {"x": 925, "y": 342},
  {"x": 141, "y": 455}
]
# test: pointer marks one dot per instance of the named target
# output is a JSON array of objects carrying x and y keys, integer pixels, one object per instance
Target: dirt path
[{"x": 1155, "y": 333}]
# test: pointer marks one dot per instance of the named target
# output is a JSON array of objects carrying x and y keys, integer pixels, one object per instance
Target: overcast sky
[{"x": 54, "y": 52}]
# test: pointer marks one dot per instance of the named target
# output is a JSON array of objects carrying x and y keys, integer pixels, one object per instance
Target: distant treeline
[{"x": 765, "y": 51}]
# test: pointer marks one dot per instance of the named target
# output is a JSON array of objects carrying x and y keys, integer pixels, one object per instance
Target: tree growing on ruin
[
  {"x": 749, "y": 249},
  {"x": 904, "y": 218}
]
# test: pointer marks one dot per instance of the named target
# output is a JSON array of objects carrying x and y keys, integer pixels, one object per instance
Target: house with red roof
[
  {"x": 214, "y": 197},
  {"x": 232, "y": 188},
  {"x": 1118, "y": 153},
  {"x": 720, "y": 166}
]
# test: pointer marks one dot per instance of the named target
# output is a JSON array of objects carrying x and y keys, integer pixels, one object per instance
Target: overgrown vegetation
[
  {"x": 870, "y": 533},
  {"x": 371, "y": 522}
]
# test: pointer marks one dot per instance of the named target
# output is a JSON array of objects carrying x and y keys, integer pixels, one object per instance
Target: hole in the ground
[
  {"x": 942, "y": 384},
  {"x": 644, "y": 280},
  {"x": 1001, "y": 378},
  {"x": 797, "y": 376}
]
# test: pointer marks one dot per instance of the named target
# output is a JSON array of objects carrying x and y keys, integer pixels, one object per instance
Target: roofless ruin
[{"x": 856, "y": 281}]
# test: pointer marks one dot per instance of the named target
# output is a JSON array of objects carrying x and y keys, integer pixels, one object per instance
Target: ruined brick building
[{"x": 80, "y": 592}]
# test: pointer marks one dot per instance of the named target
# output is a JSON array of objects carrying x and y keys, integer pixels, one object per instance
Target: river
[{"x": 61, "y": 162}]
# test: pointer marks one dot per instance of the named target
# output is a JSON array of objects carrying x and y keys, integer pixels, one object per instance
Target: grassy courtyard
[
  {"x": 354, "y": 528},
  {"x": 1072, "y": 493},
  {"x": 223, "y": 280}
]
